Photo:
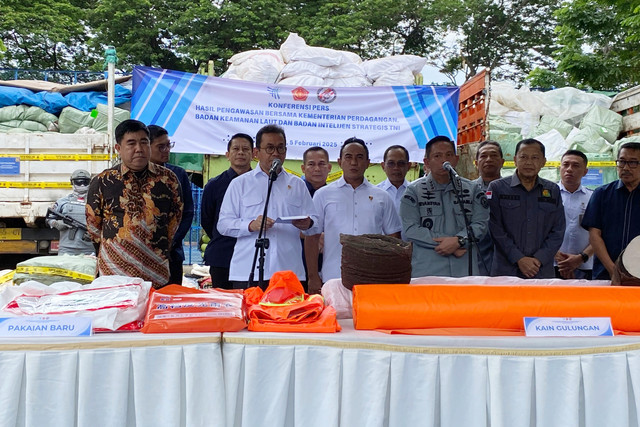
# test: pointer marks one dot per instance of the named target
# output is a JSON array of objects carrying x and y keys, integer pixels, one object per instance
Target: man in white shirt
[
  {"x": 395, "y": 165},
  {"x": 574, "y": 259},
  {"x": 350, "y": 205},
  {"x": 243, "y": 205}
]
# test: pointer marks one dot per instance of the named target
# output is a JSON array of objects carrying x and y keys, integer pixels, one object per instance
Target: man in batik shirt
[{"x": 133, "y": 210}]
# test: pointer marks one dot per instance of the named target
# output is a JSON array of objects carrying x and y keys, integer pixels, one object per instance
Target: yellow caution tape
[
  {"x": 6, "y": 277},
  {"x": 34, "y": 184},
  {"x": 29, "y": 157},
  {"x": 53, "y": 271},
  {"x": 557, "y": 164}
]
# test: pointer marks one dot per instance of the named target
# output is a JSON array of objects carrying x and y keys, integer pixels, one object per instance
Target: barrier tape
[
  {"x": 28, "y": 157},
  {"x": 557, "y": 164},
  {"x": 34, "y": 184},
  {"x": 6, "y": 277},
  {"x": 53, "y": 271}
]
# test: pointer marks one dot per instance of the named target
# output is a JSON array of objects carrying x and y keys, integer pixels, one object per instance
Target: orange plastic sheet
[
  {"x": 175, "y": 308},
  {"x": 284, "y": 307},
  {"x": 488, "y": 310}
]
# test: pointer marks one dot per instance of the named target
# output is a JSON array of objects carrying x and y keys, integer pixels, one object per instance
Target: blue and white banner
[{"x": 201, "y": 113}]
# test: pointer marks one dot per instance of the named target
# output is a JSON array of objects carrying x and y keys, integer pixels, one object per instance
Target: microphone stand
[
  {"x": 262, "y": 244},
  {"x": 457, "y": 188}
]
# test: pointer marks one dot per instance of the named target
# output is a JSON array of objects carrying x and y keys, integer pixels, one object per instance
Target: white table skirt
[
  {"x": 361, "y": 378},
  {"x": 126, "y": 379}
]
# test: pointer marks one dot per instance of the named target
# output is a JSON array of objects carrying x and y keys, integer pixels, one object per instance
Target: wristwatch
[
  {"x": 584, "y": 256},
  {"x": 462, "y": 241}
]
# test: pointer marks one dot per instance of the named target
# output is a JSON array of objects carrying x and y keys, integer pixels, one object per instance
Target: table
[
  {"x": 367, "y": 378},
  {"x": 116, "y": 379}
]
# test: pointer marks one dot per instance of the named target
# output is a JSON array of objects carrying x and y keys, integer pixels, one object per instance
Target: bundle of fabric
[
  {"x": 284, "y": 307},
  {"x": 176, "y": 308},
  {"x": 486, "y": 309},
  {"x": 375, "y": 258}
]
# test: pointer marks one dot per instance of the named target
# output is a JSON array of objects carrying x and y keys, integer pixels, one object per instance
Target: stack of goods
[
  {"x": 113, "y": 302},
  {"x": 51, "y": 269},
  {"x": 561, "y": 119},
  {"x": 375, "y": 258},
  {"x": 176, "y": 308},
  {"x": 23, "y": 110},
  {"x": 284, "y": 307},
  {"x": 298, "y": 64},
  {"x": 487, "y": 309}
]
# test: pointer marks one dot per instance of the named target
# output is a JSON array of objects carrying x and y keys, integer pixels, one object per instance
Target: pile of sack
[
  {"x": 562, "y": 119},
  {"x": 298, "y": 64}
]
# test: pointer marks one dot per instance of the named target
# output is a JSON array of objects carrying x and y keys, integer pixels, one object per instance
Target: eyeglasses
[
  {"x": 166, "y": 147},
  {"x": 270, "y": 149},
  {"x": 81, "y": 181},
  {"x": 631, "y": 163},
  {"x": 393, "y": 164}
]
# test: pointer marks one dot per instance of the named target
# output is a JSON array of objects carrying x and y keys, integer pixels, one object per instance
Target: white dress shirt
[
  {"x": 244, "y": 202},
  {"x": 395, "y": 193},
  {"x": 576, "y": 238},
  {"x": 343, "y": 209}
]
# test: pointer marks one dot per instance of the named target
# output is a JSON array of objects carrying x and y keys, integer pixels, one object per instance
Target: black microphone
[
  {"x": 276, "y": 166},
  {"x": 455, "y": 178},
  {"x": 447, "y": 166}
]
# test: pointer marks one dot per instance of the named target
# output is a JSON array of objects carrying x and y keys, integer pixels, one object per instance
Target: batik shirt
[{"x": 134, "y": 216}]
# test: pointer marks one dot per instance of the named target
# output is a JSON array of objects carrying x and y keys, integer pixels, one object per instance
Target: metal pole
[{"x": 110, "y": 60}]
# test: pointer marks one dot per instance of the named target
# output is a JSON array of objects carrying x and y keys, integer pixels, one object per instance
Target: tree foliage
[
  {"x": 598, "y": 44},
  {"x": 46, "y": 34},
  {"x": 594, "y": 43}
]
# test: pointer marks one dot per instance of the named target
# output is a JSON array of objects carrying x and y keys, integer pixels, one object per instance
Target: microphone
[
  {"x": 447, "y": 166},
  {"x": 276, "y": 166},
  {"x": 455, "y": 178}
]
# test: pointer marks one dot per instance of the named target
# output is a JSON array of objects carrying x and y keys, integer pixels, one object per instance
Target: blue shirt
[
  {"x": 187, "y": 212},
  {"x": 220, "y": 248},
  {"x": 525, "y": 224},
  {"x": 616, "y": 212}
]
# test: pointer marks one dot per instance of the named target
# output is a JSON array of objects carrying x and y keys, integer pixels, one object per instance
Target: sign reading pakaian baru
[{"x": 201, "y": 112}]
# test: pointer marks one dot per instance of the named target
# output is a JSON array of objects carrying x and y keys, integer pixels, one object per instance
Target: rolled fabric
[{"x": 486, "y": 306}]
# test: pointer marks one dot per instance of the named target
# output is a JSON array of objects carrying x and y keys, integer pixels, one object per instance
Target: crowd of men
[{"x": 522, "y": 225}]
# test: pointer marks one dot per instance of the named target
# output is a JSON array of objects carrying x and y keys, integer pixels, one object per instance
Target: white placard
[
  {"x": 568, "y": 327},
  {"x": 45, "y": 326}
]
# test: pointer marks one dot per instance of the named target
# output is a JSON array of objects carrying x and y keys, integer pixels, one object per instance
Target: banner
[{"x": 201, "y": 113}]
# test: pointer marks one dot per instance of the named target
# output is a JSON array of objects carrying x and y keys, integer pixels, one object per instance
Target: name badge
[
  {"x": 45, "y": 326},
  {"x": 568, "y": 327}
]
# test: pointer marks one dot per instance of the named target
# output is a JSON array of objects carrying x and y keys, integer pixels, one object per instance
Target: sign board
[
  {"x": 45, "y": 326},
  {"x": 201, "y": 113},
  {"x": 568, "y": 326}
]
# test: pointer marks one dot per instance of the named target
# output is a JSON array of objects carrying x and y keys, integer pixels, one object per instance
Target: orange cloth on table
[
  {"x": 284, "y": 307},
  {"x": 175, "y": 308},
  {"x": 491, "y": 310}
]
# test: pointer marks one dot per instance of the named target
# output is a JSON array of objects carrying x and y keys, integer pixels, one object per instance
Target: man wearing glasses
[
  {"x": 243, "y": 206},
  {"x": 527, "y": 220},
  {"x": 613, "y": 213},
  {"x": 395, "y": 165},
  {"x": 160, "y": 149}
]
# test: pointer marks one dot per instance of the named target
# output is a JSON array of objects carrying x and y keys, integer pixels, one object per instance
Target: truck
[{"x": 34, "y": 172}]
